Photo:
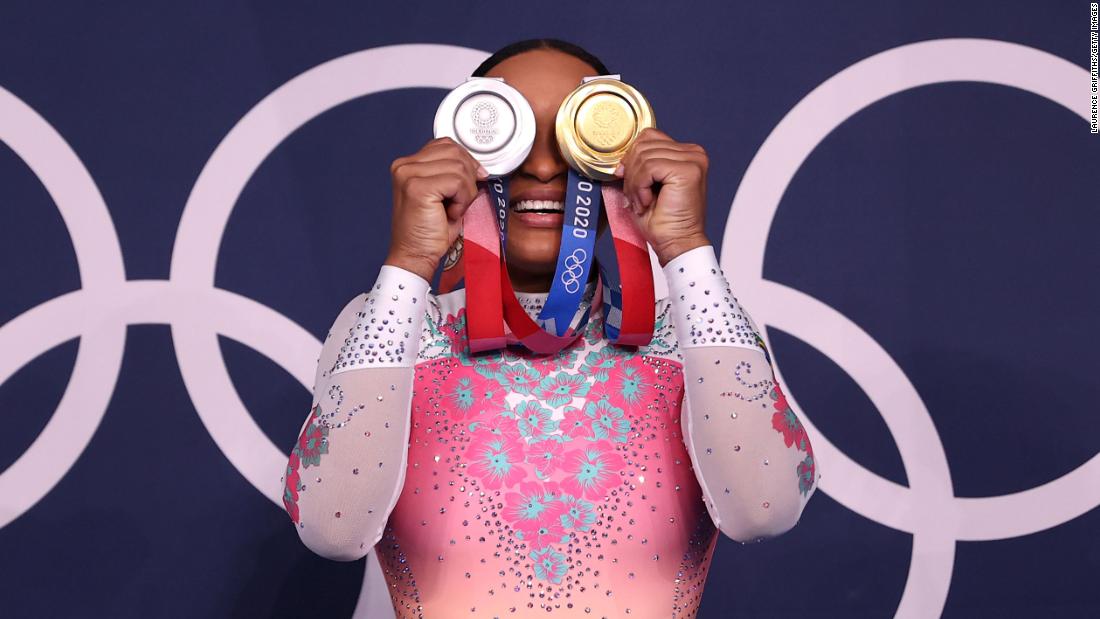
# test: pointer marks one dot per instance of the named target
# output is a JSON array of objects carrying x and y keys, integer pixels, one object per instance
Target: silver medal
[{"x": 490, "y": 119}]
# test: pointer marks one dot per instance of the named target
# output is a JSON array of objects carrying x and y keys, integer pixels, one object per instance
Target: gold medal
[{"x": 598, "y": 122}]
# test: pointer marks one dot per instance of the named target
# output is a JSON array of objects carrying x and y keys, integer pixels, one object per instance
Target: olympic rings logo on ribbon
[
  {"x": 574, "y": 265},
  {"x": 197, "y": 311}
]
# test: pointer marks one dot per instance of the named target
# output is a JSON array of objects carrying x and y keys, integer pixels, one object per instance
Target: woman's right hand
[{"x": 432, "y": 188}]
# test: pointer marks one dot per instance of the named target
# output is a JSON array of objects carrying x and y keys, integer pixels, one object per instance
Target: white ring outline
[
  {"x": 75, "y": 314},
  {"x": 196, "y": 311},
  {"x": 928, "y": 508},
  {"x": 203, "y": 223},
  {"x": 206, "y": 214}
]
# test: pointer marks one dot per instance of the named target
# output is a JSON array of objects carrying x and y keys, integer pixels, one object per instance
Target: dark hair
[{"x": 519, "y": 47}]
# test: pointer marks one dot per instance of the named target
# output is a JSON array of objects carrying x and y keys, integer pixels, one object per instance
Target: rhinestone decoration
[
  {"x": 385, "y": 325},
  {"x": 557, "y": 484},
  {"x": 550, "y": 483}
]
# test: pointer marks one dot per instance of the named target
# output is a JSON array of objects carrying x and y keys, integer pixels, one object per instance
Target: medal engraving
[
  {"x": 605, "y": 123},
  {"x": 490, "y": 119},
  {"x": 484, "y": 123},
  {"x": 597, "y": 124}
]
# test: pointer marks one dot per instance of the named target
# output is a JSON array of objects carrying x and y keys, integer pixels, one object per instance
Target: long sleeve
[
  {"x": 346, "y": 470},
  {"x": 749, "y": 450}
]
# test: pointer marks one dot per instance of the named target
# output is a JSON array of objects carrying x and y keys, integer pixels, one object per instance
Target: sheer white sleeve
[
  {"x": 750, "y": 452},
  {"x": 347, "y": 468}
]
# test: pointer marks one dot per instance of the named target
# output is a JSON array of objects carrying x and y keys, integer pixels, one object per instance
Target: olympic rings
[
  {"x": 198, "y": 312},
  {"x": 574, "y": 266}
]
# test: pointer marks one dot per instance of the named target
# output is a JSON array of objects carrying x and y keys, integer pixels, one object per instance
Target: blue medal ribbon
[
  {"x": 562, "y": 310},
  {"x": 576, "y": 254},
  {"x": 498, "y": 191}
]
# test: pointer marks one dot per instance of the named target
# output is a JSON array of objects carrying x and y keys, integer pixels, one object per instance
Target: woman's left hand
[{"x": 666, "y": 184}]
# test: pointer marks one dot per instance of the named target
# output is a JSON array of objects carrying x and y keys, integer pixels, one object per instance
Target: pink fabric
[
  {"x": 514, "y": 484},
  {"x": 573, "y": 463}
]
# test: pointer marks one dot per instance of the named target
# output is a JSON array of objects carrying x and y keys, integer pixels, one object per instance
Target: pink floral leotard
[{"x": 591, "y": 482}]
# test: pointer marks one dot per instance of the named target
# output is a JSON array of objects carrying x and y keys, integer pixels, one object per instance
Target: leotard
[{"x": 591, "y": 482}]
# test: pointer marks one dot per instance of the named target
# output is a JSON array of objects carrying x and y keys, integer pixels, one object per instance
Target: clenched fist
[
  {"x": 665, "y": 182},
  {"x": 432, "y": 189}
]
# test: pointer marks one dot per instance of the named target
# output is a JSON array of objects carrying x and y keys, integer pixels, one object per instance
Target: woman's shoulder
[
  {"x": 444, "y": 321},
  {"x": 664, "y": 343},
  {"x": 446, "y": 306}
]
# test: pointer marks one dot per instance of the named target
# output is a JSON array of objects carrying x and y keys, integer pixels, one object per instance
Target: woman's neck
[
  {"x": 523, "y": 281},
  {"x": 526, "y": 281}
]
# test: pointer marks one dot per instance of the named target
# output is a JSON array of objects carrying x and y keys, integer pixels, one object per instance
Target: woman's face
[{"x": 537, "y": 187}]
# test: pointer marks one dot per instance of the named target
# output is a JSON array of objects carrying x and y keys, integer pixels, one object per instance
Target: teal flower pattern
[
  {"x": 598, "y": 362},
  {"x": 518, "y": 378},
  {"x": 579, "y": 514},
  {"x": 608, "y": 421},
  {"x": 489, "y": 364},
  {"x": 534, "y": 421},
  {"x": 529, "y": 504},
  {"x": 496, "y": 461},
  {"x": 663, "y": 341},
  {"x": 549, "y": 564},
  {"x": 544, "y": 436},
  {"x": 632, "y": 386},
  {"x": 561, "y": 388},
  {"x": 463, "y": 395},
  {"x": 576, "y": 425}
]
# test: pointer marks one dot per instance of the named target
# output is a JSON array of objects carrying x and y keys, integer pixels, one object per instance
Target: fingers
[
  {"x": 656, "y": 167},
  {"x": 655, "y": 159},
  {"x": 662, "y": 151},
  {"x": 442, "y": 172},
  {"x": 652, "y": 133},
  {"x": 432, "y": 189},
  {"x": 442, "y": 149},
  {"x": 640, "y": 182},
  {"x": 421, "y": 169},
  {"x": 435, "y": 185},
  {"x": 446, "y": 147},
  {"x": 685, "y": 150}
]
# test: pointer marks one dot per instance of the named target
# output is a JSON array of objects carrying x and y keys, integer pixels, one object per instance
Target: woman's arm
[
  {"x": 347, "y": 469},
  {"x": 749, "y": 450}
]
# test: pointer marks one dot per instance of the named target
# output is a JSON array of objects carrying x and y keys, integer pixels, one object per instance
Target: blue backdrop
[{"x": 945, "y": 232}]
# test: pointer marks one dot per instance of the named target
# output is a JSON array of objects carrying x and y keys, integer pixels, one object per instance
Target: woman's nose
[{"x": 544, "y": 162}]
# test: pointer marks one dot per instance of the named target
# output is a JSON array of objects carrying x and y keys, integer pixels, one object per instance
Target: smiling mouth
[{"x": 539, "y": 206}]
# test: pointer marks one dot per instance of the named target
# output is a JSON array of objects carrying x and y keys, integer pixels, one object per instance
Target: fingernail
[
  {"x": 482, "y": 172},
  {"x": 619, "y": 170}
]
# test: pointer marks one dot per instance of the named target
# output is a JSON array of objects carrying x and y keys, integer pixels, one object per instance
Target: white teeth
[{"x": 539, "y": 205}]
